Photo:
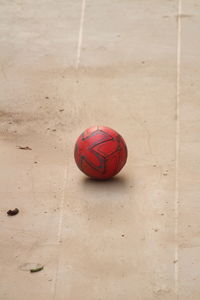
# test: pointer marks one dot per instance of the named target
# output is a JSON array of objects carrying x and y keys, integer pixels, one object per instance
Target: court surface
[{"x": 132, "y": 65}]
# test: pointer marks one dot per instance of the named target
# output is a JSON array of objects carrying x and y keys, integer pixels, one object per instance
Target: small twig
[
  {"x": 24, "y": 148},
  {"x": 36, "y": 269}
]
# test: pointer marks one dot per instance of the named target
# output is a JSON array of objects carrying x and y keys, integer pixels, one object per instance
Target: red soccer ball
[{"x": 100, "y": 152}]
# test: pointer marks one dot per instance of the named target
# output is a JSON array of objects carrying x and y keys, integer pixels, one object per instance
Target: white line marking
[
  {"x": 80, "y": 37},
  {"x": 60, "y": 220},
  {"x": 59, "y": 234},
  {"x": 176, "y": 204}
]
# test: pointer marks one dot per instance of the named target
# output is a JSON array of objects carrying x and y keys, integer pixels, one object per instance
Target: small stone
[{"x": 13, "y": 212}]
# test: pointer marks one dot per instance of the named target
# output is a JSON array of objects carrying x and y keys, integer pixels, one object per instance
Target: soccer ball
[{"x": 100, "y": 152}]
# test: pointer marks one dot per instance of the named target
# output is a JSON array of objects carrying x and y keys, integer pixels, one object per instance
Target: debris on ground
[
  {"x": 61, "y": 110},
  {"x": 175, "y": 261},
  {"x": 36, "y": 269},
  {"x": 13, "y": 212},
  {"x": 24, "y": 148}
]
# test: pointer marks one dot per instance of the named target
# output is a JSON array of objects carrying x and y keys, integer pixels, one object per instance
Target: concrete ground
[{"x": 132, "y": 65}]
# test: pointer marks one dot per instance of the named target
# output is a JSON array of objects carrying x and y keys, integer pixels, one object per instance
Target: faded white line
[
  {"x": 61, "y": 206},
  {"x": 80, "y": 36},
  {"x": 176, "y": 204},
  {"x": 59, "y": 234}
]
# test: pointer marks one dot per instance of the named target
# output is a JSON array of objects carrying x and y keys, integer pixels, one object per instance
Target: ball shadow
[{"x": 113, "y": 184}]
